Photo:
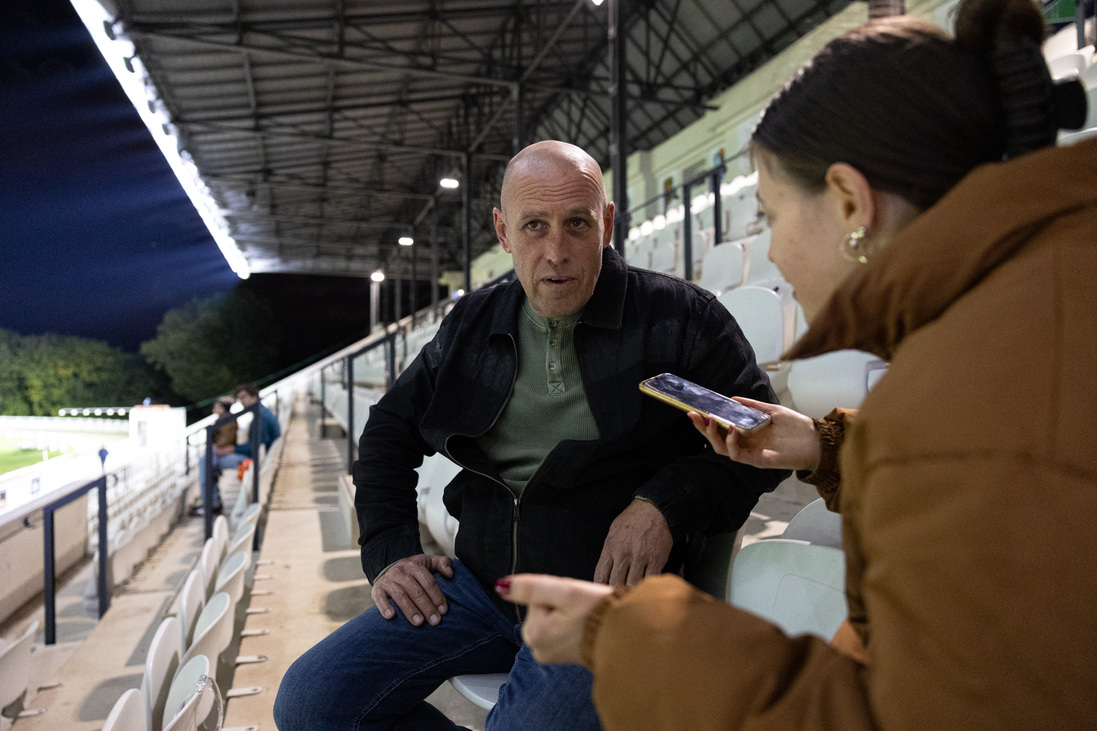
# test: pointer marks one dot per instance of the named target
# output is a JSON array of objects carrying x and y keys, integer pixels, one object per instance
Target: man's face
[
  {"x": 554, "y": 224},
  {"x": 246, "y": 398}
]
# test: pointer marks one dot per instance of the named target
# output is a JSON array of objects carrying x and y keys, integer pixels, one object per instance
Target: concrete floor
[{"x": 307, "y": 582}]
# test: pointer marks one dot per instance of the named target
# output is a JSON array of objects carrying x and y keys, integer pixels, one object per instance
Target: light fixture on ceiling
[
  {"x": 449, "y": 183},
  {"x": 595, "y": 3},
  {"x": 377, "y": 276},
  {"x": 405, "y": 241}
]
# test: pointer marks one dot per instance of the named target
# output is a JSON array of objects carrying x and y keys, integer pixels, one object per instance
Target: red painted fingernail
[{"x": 502, "y": 586}]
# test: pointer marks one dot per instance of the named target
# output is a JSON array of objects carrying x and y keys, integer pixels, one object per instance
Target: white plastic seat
[
  {"x": 798, "y": 586},
  {"x": 250, "y": 514},
  {"x": 740, "y": 206},
  {"x": 15, "y": 665},
  {"x": 129, "y": 713},
  {"x": 815, "y": 524},
  {"x": 758, "y": 266},
  {"x": 435, "y": 473},
  {"x": 833, "y": 380},
  {"x": 220, "y": 536},
  {"x": 161, "y": 662},
  {"x": 230, "y": 579},
  {"x": 184, "y": 696},
  {"x": 482, "y": 690},
  {"x": 242, "y": 541},
  {"x": 213, "y": 633},
  {"x": 1070, "y": 64},
  {"x": 191, "y": 600},
  {"x": 761, "y": 315},
  {"x": 208, "y": 562},
  {"x": 723, "y": 267},
  {"x": 664, "y": 258}
]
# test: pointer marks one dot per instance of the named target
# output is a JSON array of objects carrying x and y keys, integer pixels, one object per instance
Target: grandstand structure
[{"x": 314, "y": 138}]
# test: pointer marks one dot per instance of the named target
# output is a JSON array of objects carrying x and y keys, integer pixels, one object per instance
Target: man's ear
[
  {"x": 851, "y": 198},
  {"x": 607, "y": 220},
  {"x": 500, "y": 228}
]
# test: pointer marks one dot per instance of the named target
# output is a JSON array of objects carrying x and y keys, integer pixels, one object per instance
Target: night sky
[{"x": 97, "y": 238}]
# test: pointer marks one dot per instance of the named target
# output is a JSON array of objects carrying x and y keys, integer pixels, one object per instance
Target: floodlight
[
  {"x": 450, "y": 183},
  {"x": 377, "y": 276},
  {"x": 406, "y": 241}
]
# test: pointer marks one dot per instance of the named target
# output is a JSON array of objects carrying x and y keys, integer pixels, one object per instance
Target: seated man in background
[
  {"x": 224, "y": 452},
  {"x": 531, "y": 387},
  {"x": 269, "y": 430}
]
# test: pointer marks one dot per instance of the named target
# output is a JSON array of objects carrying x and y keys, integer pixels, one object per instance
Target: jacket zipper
[{"x": 514, "y": 497}]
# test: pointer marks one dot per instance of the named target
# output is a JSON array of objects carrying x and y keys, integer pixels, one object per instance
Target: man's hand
[
  {"x": 638, "y": 545},
  {"x": 410, "y": 584}
]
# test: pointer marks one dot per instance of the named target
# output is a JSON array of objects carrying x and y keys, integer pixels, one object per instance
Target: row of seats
[{"x": 178, "y": 688}]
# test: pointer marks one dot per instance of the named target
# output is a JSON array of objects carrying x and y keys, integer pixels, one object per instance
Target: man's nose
[{"x": 556, "y": 247}]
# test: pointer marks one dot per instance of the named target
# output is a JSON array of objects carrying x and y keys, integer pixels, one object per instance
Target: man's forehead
[{"x": 574, "y": 189}]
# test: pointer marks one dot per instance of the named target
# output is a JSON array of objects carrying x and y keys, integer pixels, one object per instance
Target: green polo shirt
[{"x": 548, "y": 404}]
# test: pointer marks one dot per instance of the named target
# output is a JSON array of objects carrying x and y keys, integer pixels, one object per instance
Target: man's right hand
[{"x": 410, "y": 584}]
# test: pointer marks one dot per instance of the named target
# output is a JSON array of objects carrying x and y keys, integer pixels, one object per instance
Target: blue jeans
[
  {"x": 374, "y": 673},
  {"x": 226, "y": 462}
]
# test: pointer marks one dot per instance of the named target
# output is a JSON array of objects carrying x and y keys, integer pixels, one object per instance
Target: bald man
[{"x": 566, "y": 468}]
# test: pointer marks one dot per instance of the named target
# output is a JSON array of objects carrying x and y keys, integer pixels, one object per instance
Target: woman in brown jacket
[{"x": 921, "y": 212}]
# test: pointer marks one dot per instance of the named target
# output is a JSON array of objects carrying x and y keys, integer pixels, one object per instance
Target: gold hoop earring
[{"x": 853, "y": 247}]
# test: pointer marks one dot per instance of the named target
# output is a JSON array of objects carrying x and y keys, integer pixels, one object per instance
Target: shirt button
[
  {"x": 552, "y": 342},
  {"x": 552, "y": 366},
  {"x": 552, "y": 323}
]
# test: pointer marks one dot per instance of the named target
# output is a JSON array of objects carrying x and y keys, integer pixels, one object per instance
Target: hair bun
[{"x": 986, "y": 26}]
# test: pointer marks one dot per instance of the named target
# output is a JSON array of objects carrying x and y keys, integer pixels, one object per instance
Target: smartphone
[{"x": 688, "y": 396}]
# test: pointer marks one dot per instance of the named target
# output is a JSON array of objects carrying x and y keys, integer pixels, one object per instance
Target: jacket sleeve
[
  {"x": 389, "y": 450},
  {"x": 706, "y": 491},
  {"x": 667, "y": 656},
  {"x": 827, "y": 477}
]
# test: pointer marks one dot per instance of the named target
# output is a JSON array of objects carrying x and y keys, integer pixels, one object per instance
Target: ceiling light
[
  {"x": 406, "y": 241},
  {"x": 595, "y": 3},
  {"x": 377, "y": 276},
  {"x": 449, "y": 183}
]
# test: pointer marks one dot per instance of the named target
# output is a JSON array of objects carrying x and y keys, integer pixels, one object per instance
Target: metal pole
[
  {"x": 1080, "y": 24},
  {"x": 519, "y": 132},
  {"x": 717, "y": 206},
  {"x": 687, "y": 232},
  {"x": 104, "y": 590},
  {"x": 434, "y": 258},
  {"x": 350, "y": 413},
  {"x": 392, "y": 359},
  {"x": 618, "y": 139},
  {"x": 255, "y": 447},
  {"x": 412, "y": 286},
  {"x": 323, "y": 400},
  {"x": 51, "y": 576},
  {"x": 207, "y": 484},
  {"x": 466, "y": 235}
]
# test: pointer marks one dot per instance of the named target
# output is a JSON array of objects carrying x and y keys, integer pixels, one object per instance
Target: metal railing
[{"x": 50, "y": 589}]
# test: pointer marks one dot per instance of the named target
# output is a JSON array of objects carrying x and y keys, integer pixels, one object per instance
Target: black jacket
[{"x": 636, "y": 325}]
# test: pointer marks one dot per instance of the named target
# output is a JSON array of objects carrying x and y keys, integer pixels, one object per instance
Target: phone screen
[{"x": 689, "y": 396}]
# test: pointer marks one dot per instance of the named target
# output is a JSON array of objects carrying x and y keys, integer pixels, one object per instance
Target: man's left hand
[{"x": 638, "y": 545}]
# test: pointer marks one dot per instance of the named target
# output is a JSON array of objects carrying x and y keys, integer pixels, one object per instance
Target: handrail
[{"x": 49, "y": 548}]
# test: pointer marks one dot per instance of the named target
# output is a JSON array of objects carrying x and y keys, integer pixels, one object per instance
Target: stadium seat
[
  {"x": 130, "y": 713},
  {"x": 191, "y": 600},
  {"x": 230, "y": 579},
  {"x": 15, "y": 671},
  {"x": 761, "y": 313},
  {"x": 161, "y": 663},
  {"x": 723, "y": 267},
  {"x": 209, "y": 562},
  {"x": 481, "y": 689},
  {"x": 185, "y": 695},
  {"x": 242, "y": 541},
  {"x": 815, "y": 524},
  {"x": 220, "y": 536},
  {"x": 213, "y": 633},
  {"x": 834, "y": 380},
  {"x": 435, "y": 473},
  {"x": 758, "y": 266},
  {"x": 798, "y": 586}
]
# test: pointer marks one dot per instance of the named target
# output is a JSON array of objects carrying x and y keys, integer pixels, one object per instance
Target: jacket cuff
[
  {"x": 827, "y": 476},
  {"x": 594, "y": 623},
  {"x": 377, "y": 556}
]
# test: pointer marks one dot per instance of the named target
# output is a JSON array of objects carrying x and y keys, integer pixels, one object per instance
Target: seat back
[
  {"x": 434, "y": 474},
  {"x": 220, "y": 537},
  {"x": 758, "y": 266},
  {"x": 723, "y": 267},
  {"x": 834, "y": 380},
  {"x": 213, "y": 633},
  {"x": 761, "y": 314},
  {"x": 815, "y": 524},
  {"x": 798, "y": 586},
  {"x": 181, "y": 709},
  {"x": 15, "y": 666},
  {"x": 129, "y": 713},
  {"x": 161, "y": 662},
  {"x": 242, "y": 541},
  {"x": 230, "y": 579},
  {"x": 191, "y": 600},
  {"x": 250, "y": 514},
  {"x": 208, "y": 563}
]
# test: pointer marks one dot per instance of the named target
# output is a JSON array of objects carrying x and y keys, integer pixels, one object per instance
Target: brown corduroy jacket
[{"x": 968, "y": 495}]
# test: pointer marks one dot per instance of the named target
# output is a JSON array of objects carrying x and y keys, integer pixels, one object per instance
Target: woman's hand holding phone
[{"x": 789, "y": 442}]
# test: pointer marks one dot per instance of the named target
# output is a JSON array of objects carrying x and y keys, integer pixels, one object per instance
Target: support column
[
  {"x": 618, "y": 139},
  {"x": 466, "y": 234}
]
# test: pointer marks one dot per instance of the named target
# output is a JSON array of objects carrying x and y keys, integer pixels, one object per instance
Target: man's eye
[
  {"x": 577, "y": 222},
  {"x": 533, "y": 225}
]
